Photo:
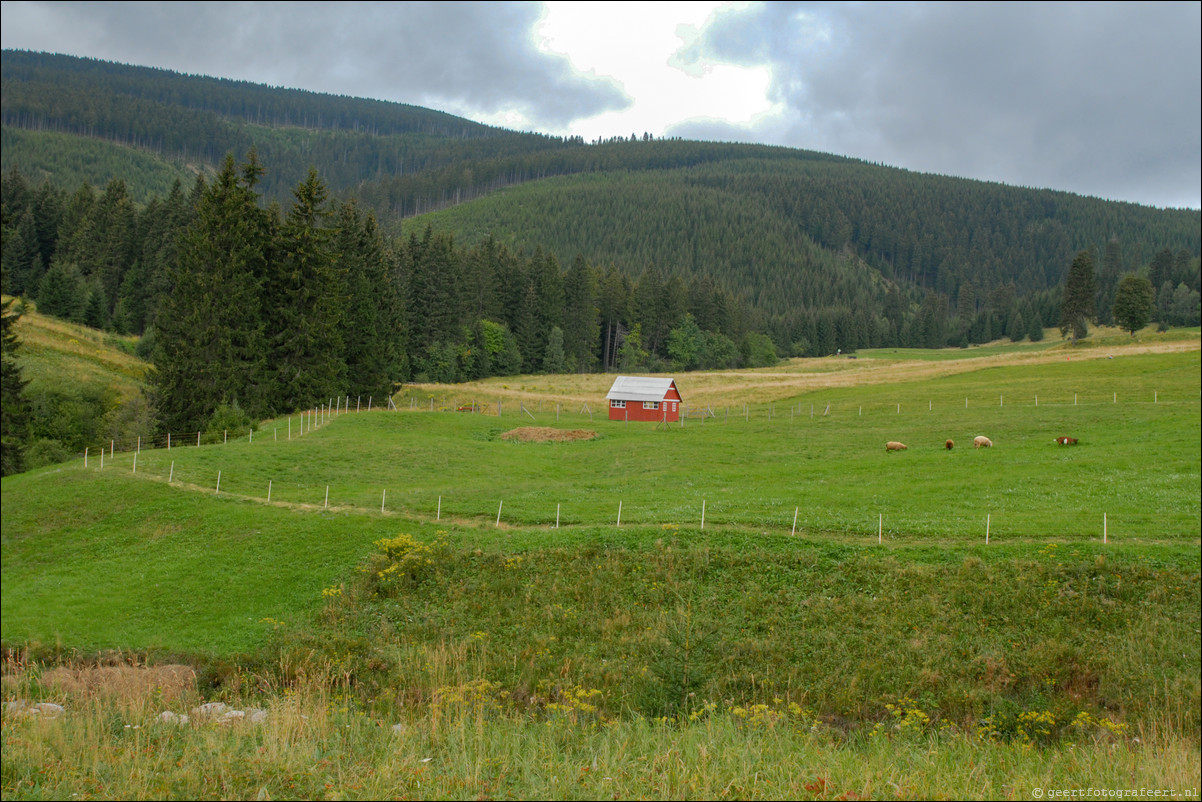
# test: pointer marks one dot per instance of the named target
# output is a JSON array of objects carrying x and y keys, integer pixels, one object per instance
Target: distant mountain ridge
[{"x": 789, "y": 230}]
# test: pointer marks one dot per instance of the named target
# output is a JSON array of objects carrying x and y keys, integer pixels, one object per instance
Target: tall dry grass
[{"x": 316, "y": 745}]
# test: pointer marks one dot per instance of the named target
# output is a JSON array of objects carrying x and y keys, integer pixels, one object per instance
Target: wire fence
[
  {"x": 303, "y": 422},
  {"x": 780, "y": 519}
]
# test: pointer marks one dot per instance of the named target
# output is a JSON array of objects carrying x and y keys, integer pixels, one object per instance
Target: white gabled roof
[{"x": 639, "y": 388}]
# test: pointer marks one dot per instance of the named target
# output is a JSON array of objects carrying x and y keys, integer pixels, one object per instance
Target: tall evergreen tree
[
  {"x": 373, "y": 330},
  {"x": 14, "y": 409},
  {"x": 210, "y": 342},
  {"x": 21, "y": 259},
  {"x": 613, "y": 307},
  {"x": 304, "y": 300},
  {"x": 1108, "y": 280},
  {"x": 1035, "y": 328},
  {"x": 480, "y": 276},
  {"x": 48, "y": 212},
  {"x": 112, "y": 251},
  {"x": 548, "y": 289},
  {"x": 1080, "y": 289},
  {"x": 1161, "y": 268},
  {"x": 581, "y": 327},
  {"x": 432, "y": 274},
  {"x": 553, "y": 355},
  {"x": 63, "y": 293},
  {"x": 162, "y": 231}
]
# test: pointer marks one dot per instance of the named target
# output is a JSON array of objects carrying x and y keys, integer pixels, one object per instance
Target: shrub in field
[
  {"x": 1045, "y": 727},
  {"x": 682, "y": 668},
  {"x": 227, "y": 418},
  {"x": 401, "y": 562},
  {"x": 45, "y": 451}
]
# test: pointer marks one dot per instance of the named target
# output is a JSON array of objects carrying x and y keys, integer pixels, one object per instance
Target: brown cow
[
  {"x": 1067, "y": 441},
  {"x": 949, "y": 445}
]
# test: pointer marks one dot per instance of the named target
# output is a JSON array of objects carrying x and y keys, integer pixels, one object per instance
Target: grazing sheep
[
  {"x": 949, "y": 445},
  {"x": 1067, "y": 441},
  {"x": 893, "y": 445},
  {"x": 981, "y": 441}
]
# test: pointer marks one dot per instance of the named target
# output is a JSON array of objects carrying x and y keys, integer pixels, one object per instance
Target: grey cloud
[
  {"x": 460, "y": 57},
  {"x": 1101, "y": 99}
]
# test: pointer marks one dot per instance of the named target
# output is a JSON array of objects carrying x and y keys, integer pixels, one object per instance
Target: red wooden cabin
[{"x": 644, "y": 398}]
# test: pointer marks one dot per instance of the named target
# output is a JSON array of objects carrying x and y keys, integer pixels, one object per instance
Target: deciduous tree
[{"x": 1133, "y": 303}]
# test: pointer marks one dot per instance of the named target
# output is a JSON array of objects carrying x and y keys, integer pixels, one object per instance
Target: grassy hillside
[
  {"x": 927, "y": 649},
  {"x": 810, "y": 438},
  {"x": 85, "y": 387},
  {"x": 55, "y": 353}
]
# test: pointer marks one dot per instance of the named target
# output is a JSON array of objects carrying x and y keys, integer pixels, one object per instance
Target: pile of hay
[{"x": 545, "y": 434}]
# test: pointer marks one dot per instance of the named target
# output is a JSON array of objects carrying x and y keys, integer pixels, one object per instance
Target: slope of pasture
[
  {"x": 55, "y": 353},
  {"x": 795, "y": 377},
  {"x": 819, "y": 453},
  {"x": 98, "y": 560},
  {"x": 102, "y": 558}
]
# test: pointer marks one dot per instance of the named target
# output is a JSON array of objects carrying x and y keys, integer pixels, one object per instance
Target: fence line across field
[
  {"x": 987, "y": 529},
  {"x": 322, "y": 414}
]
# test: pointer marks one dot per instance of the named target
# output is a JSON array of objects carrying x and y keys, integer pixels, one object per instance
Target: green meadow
[
  {"x": 820, "y": 455},
  {"x": 836, "y": 626}
]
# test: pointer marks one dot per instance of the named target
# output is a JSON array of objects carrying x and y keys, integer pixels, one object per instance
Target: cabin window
[
  {"x": 617, "y": 404},
  {"x": 650, "y": 405}
]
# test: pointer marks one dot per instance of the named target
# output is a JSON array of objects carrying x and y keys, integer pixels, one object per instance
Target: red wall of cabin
[{"x": 634, "y": 411}]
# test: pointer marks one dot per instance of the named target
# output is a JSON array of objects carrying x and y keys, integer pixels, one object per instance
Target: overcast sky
[{"x": 1100, "y": 99}]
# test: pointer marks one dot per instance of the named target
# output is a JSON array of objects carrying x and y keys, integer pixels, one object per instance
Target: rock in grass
[
  {"x": 209, "y": 710},
  {"x": 231, "y": 717},
  {"x": 21, "y": 707}
]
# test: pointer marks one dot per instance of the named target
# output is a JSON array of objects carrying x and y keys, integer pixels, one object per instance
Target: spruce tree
[
  {"x": 113, "y": 249},
  {"x": 1108, "y": 278},
  {"x": 14, "y": 409},
  {"x": 372, "y": 328},
  {"x": 210, "y": 343},
  {"x": 613, "y": 307},
  {"x": 1080, "y": 289},
  {"x": 1161, "y": 268},
  {"x": 62, "y": 293},
  {"x": 553, "y": 356},
  {"x": 304, "y": 300},
  {"x": 581, "y": 328},
  {"x": 1016, "y": 328},
  {"x": 549, "y": 305},
  {"x": 21, "y": 260},
  {"x": 1035, "y": 329}
]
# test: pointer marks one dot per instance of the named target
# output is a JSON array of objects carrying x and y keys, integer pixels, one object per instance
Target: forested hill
[
  {"x": 195, "y": 121},
  {"x": 752, "y": 222},
  {"x": 787, "y": 230}
]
